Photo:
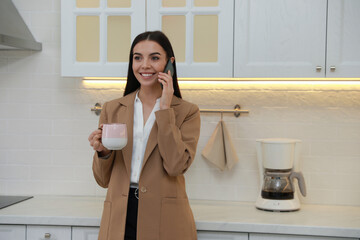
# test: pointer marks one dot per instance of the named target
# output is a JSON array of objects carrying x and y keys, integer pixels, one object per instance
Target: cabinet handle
[
  {"x": 318, "y": 68},
  {"x": 332, "y": 68},
  {"x": 47, "y": 235}
]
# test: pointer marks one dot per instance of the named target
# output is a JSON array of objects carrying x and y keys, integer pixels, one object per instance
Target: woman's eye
[
  {"x": 137, "y": 58},
  {"x": 155, "y": 58}
]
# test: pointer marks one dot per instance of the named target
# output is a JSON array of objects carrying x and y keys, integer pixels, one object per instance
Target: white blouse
[{"x": 141, "y": 134}]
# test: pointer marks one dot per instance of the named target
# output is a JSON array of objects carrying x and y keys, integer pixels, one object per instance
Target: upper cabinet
[
  {"x": 343, "y": 39},
  {"x": 216, "y": 38},
  {"x": 201, "y": 32},
  {"x": 280, "y": 38},
  {"x": 97, "y": 34},
  {"x": 307, "y": 38}
]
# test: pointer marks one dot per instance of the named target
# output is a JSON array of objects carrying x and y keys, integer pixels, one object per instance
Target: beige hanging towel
[{"x": 220, "y": 150}]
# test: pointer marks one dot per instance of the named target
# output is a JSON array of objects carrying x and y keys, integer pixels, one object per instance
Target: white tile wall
[{"x": 45, "y": 121}]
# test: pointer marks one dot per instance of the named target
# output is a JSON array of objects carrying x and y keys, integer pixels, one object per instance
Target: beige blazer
[{"x": 164, "y": 210}]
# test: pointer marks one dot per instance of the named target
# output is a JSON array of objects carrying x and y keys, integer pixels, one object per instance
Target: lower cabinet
[
  {"x": 12, "y": 232},
  {"x": 208, "y": 235},
  {"x": 34, "y": 232},
  {"x": 268, "y": 236},
  {"x": 85, "y": 233}
]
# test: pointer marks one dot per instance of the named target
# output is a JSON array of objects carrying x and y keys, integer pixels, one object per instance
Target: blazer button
[{"x": 143, "y": 189}]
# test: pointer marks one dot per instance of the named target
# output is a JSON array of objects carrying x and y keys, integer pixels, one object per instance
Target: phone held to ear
[{"x": 169, "y": 66}]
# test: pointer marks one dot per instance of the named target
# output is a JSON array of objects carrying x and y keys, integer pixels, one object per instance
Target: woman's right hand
[{"x": 95, "y": 142}]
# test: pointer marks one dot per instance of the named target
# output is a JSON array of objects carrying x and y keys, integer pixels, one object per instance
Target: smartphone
[{"x": 169, "y": 66}]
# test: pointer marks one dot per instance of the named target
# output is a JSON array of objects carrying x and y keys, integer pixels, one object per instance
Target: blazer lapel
[
  {"x": 152, "y": 141},
  {"x": 128, "y": 102}
]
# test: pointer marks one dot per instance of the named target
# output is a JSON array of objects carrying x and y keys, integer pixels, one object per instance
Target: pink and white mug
[{"x": 114, "y": 136}]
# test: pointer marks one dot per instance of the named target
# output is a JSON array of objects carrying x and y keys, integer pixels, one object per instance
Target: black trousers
[{"x": 131, "y": 216}]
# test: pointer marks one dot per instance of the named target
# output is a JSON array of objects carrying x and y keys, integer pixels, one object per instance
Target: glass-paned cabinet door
[
  {"x": 96, "y": 36},
  {"x": 201, "y": 32}
]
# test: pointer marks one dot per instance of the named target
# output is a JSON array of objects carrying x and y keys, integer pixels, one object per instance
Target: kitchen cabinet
[
  {"x": 209, "y": 235},
  {"x": 85, "y": 233},
  {"x": 34, "y": 232},
  {"x": 13, "y": 232},
  {"x": 303, "y": 39},
  {"x": 290, "y": 43},
  {"x": 343, "y": 39},
  {"x": 266, "y": 236},
  {"x": 96, "y": 35},
  {"x": 201, "y": 33}
]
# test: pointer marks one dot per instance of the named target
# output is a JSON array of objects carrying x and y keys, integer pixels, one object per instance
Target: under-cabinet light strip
[{"x": 233, "y": 79}]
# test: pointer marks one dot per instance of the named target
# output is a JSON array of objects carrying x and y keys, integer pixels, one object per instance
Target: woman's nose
[{"x": 145, "y": 63}]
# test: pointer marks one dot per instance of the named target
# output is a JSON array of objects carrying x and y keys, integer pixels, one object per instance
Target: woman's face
[{"x": 149, "y": 58}]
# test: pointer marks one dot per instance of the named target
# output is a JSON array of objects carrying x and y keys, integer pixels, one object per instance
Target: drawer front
[
  {"x": 12, "y": 232},
  {"x": 85, "y": 233},
  {"x": 258, "y": 236},
  {"x": 48, "y": 233}
]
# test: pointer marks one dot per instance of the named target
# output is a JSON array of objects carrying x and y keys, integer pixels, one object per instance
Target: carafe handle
[{"x": 299, "y": 176}]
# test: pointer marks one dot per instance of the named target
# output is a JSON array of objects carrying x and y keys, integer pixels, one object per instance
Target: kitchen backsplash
[{"x": 46, "y": 119}]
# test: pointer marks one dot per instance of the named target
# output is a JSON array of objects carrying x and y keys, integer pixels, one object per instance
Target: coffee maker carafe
[{"x": 278, "y": 166}]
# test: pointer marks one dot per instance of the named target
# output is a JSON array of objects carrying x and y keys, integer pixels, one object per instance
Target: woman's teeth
[{"x": 146, "y": 74}]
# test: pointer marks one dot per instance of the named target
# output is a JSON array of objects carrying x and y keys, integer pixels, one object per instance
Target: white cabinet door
[
  {"x": 96, "y": 36},
  {"x": 48, "y": 233},
  {"x": 208, "y": 235},
  {"x": 279, "y": 38},
  {"x": 12, "y": 232},
  {"x": 85, "y": 233},
  {"x": 201, "y": 33},
  {"x": 343, "y": 55},
  {"x": 263, "y": 236}
]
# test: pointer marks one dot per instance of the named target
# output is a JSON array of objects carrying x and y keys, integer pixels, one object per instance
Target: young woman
[{"x": 146, "y": 197}]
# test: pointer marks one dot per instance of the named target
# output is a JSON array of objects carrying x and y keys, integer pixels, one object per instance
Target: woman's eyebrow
[{"x": 151, "y": 54}]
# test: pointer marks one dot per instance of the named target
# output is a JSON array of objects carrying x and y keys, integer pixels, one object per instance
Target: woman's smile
[{"x": 147, "y": 75}]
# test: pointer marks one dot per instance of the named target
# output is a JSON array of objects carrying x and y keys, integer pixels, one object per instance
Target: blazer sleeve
[
  {"x": 177, "y": 144},
  {"x": 102, "y": 166}
]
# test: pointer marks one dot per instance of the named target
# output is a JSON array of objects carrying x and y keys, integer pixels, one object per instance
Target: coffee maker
[{"x": 278, "y": 160}]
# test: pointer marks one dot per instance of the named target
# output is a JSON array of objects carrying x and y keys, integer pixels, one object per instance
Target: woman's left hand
[{"x": 168, "y": 89}]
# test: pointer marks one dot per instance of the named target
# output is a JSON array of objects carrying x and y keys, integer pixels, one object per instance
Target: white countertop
[{"x": 317, "y": 220}]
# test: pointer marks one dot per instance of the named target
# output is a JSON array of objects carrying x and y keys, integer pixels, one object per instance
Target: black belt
[{"x": 134, "y": 193}]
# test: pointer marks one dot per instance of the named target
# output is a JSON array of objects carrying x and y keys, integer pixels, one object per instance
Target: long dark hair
[{"x": 132, "y": 84}]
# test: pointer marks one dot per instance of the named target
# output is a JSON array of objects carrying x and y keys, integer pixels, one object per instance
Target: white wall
[{"x": 45, "y": 121}]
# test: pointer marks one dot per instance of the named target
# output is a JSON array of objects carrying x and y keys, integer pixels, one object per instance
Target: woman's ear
[{"x": 172, "y": 59}]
